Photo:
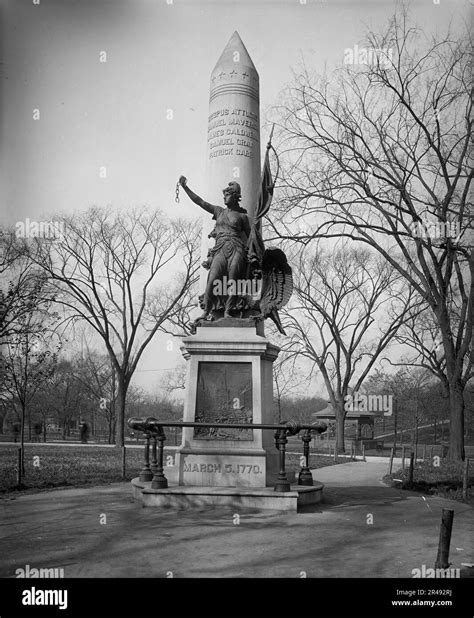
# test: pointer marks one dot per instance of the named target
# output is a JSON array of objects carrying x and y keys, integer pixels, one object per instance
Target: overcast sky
[{"x": 159, "y": 56}]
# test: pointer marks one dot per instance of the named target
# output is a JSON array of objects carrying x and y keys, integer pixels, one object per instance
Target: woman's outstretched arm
[{"x": 194, "y": 197}]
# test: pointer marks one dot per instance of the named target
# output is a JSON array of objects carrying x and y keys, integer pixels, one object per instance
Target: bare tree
[
  {"x": 175, "y": 379},
  {"x": 23, "y": 290},
  {"x": 103, "y": 269},
  {"x": 68, "y": 398},
  {"x": 27, "y": 363},
  {"x": 380, "y": 153},
  {"x": 287, "y": 377},
  {"x": 96, "y": 374},
  {"x": 421, "y": 338},
  {"x": 345, "y": 312},
  {"x": 417, "y": 399},
  {"x": 420, "y": 335}
]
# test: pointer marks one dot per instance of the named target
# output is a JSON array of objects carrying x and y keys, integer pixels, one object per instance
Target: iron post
[
  {"x": 146, "y": 474},
  {"x": 159, "y": 480},
  {"x": 305, "y": 477},
  {"x": 282, "y": 483},
  {"x": 154, "y": 458}
]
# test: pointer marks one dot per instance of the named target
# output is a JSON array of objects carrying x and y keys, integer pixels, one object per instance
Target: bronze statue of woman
[{"x": 227, "y": 260}]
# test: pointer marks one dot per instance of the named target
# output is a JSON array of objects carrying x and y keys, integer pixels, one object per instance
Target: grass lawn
[
  {"x": 444, "y": 480},
  {"x": 315, "y": 461},
  {"x": 75, "y": 466},
  {"x": 64, "y": 465}
]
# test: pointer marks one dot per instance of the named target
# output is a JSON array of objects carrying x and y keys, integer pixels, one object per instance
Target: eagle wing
[{"x": 277, "y": 281}]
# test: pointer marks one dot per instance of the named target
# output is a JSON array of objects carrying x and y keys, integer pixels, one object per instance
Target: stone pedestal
[
  {"x": 242, "y": 498},
  {"x": 230, "y": 380}
]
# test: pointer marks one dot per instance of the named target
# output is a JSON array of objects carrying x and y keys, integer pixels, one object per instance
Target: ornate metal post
[
  {"x": 159, "y": 480},
  {"x": 154, "y": 460},
  {"x": 146, "y": 473},
  {"x": 282, "y": 483},
  {"x": 305, "y": 477}
]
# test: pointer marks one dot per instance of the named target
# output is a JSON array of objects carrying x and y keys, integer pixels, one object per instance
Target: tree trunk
[
  {"x": 456, "y": 425},
  {"x": 416, "y": 434},
  {"x": 395, "y": 419},
  {"x": 340, "y": 418},
  {"x": 454, "y": 369},
  {"x": 22, "y": 442},
  {"x": 120, "y": 409}
]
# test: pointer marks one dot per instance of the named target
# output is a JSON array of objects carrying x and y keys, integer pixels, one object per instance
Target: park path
[
  {"x": 355, "y": 474},
  {"x": 363, "y": 529}
]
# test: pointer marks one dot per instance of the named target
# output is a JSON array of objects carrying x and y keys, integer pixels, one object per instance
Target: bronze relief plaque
[{"x": 224, "y": 395}]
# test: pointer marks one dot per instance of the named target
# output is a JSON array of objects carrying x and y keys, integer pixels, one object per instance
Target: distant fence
[
  {"x": 383, "y": 448},
  {"x": 99, "y": 437}
]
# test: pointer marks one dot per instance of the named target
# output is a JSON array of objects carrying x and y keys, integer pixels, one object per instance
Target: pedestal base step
[{"x": 183, "y": 497}]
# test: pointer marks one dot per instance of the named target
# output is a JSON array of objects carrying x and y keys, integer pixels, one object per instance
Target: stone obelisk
[
  {"x": 230, "y": 376},
  {"x": 233, "y": 132}
]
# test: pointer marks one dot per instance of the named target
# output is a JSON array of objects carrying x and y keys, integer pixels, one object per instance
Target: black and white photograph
[{"x": 236, "y": 308}]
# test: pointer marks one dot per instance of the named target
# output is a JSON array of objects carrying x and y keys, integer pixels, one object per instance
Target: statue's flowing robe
[{"x": 227, "y": 259}]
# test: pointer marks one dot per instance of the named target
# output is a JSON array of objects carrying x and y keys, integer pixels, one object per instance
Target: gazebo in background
[{"x": 359, "y": 425}]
